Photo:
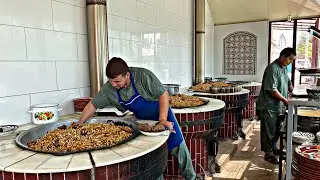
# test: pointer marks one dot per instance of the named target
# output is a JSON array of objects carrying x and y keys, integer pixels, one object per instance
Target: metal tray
[
  {"x": 39, "y": 131},
  {"x": 205, "y": 103}
]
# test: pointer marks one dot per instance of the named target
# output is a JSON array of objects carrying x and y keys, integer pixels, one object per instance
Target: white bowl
[
  {"x": 165, "y": 133},
  {"x": 152, "y": 123}
]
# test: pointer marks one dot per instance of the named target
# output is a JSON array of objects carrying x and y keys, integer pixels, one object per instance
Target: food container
[
  {"x": 172, "y": 88},
  {"x": 80, "y": 103},
  {"x": 45, "y": 113}
]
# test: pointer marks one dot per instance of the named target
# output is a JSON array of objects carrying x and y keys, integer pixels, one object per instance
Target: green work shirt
[
  {"x": 147, "y": 84},
  {"x": 275, "y": 77}
]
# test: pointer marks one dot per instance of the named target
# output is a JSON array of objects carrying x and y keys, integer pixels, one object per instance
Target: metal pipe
[
  {"x": 199, "y": 42},
  {"x": 97, "y": 43}
]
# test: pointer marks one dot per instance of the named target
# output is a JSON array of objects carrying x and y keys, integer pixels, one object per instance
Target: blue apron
[{"x": 144, "y": 109}]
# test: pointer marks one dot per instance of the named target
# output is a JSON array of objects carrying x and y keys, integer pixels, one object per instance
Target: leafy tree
[{"x": 301, "y": 46}]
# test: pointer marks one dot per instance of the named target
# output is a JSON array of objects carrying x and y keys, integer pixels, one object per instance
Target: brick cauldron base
[{"x": 149, "y": 166}]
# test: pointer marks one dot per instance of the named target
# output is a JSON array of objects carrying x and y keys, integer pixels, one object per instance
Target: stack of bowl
[
  {"x": 80, "y": 103},
  {"x": 306, "y": 162}
]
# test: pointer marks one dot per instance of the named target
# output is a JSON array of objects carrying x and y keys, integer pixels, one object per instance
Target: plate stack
[
  {"x": 306, "y": 162},
  {"x": 302, "y": 137}
]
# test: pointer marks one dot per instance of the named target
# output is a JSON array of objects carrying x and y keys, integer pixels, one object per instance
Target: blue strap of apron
[{"x": 134, "y": 88}]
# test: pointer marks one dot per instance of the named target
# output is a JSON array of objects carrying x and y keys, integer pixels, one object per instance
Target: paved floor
[{"x": 248, "y": 163}]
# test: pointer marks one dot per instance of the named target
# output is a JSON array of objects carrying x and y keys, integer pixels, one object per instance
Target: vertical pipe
[
  {"x": 97, "y": 43},
  {"x": 199, "y": 42}
]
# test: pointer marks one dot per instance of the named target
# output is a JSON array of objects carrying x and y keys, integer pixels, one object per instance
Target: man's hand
[
  {"x": 87, "y": 112},
  {"x": 169, "y": 125}
]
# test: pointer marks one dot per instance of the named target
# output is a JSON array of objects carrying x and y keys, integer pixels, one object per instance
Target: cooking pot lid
[{"x": 45, "y": 105}]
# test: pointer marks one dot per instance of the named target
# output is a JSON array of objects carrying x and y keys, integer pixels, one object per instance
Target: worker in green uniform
[
  {"x": 140, "y": 91},
  {"x": 272, "y": 102}
]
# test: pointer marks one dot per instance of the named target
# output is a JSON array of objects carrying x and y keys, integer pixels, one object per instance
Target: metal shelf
[{"x": 292, "y": 126}]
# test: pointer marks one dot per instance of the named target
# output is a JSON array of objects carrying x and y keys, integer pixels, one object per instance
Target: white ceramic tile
[
  {"x": 69, "y": 18},
  {"x": 188, "y": 10},
  {"x": 125, "y": 150},
  {"x": 129, "y": 50},
  {"x": 116, "y": 27},
  {"x": 172, "y": 6},
  {"x": 187, "y": 26},
  {"x": 5, "y": 147},
  {"x": 85, "y": 92},
  {"x": 167, "y": 19},
  {"x": 134, "y": 30},
  {"x": 115, "y": 48},
  {"x": 124, "y": 8},
  {"x": 161, "y": 52},
  {"x": 9, "y": 160},
  {"x": 14, "y": 110},
  {"x": 162, "y": 71},
  {"x": 147, "y": 52},
  {"x": 186, "y": 54},
  {"x": 58, "y": 163},
  {"x": 157, "y": 4},
  {"x": 26, "y": 77},
  {"x": 187, "y": 40},
  {"x": 146, "y": 13},
  {"x": 81, "y": 3},
  {"x": 160, "y": 35},
  {"x": 72, "y": 75},
  {"x": 17, "y": 12},
  {"x": 51, "y": 45},
  {"x": 174, "y": 53},
  {"x": 12, "y": 43},
  {"x": 150, "y": 2},
  {"x": 80, "y": 161},
  {"x": 82, "y": 43},
  {"x": 10, "y": 151},
  {"x": 139, "y": 143},
  {"x": 104, "y": 157},
  {"x": 64, "y": 98},
  {"x": 71, "y": 2},
  {"x": 180, "y": 7},
  {"x": 29, "y": 164},
  {"x": 175, "y": 69},
  {"x": 174, "y": 38}
]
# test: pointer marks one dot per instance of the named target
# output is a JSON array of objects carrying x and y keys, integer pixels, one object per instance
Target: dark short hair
[
  {"x": 286, "y": 52},
  {"x": 115, "y": 67}
]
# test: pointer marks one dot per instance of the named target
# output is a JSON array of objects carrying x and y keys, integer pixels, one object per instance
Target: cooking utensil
[
  {"x": 7, "y": 129},
  {"x": 45, "y": 113},
  {"x": 39, "y": 131},
  {"x": 313, "y": 92},
  {"x": 172, "y": 88}
]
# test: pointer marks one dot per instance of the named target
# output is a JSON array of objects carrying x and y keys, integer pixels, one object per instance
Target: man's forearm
[
  {"x": 164, "y": 106},
  {"x": 87, "y": 112},
  {"x": 276, "y": 94}
]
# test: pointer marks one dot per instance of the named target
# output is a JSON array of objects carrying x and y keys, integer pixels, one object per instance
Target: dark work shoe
[
  {"x": 272, "y": 159},
  {"x": 278, "y": 152}
]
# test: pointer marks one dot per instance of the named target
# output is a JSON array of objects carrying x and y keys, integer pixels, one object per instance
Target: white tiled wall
[
  {"x": 260, "y": 29},
  {"x": 155, "y": 34},
  {"x": 209, "y": 42},
  {"x": 43, "y": 56}
]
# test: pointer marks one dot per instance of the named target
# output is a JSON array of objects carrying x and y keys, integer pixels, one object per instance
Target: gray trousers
[{"x": 181, "y": 152}]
